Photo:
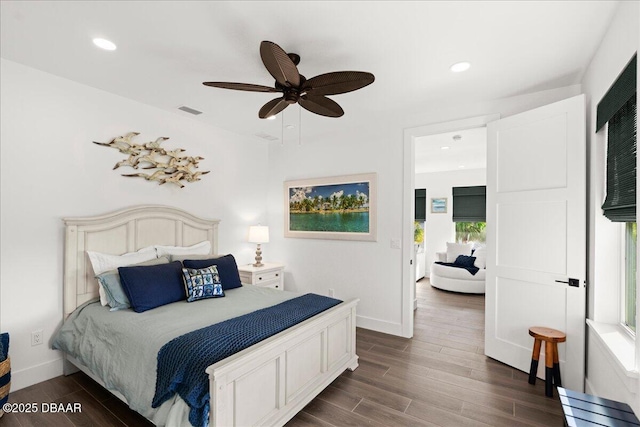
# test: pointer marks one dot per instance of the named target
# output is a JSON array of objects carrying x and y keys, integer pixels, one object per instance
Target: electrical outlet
[
  {"x": 332, "y": 292},
  {"x": 37, "y": 337}
]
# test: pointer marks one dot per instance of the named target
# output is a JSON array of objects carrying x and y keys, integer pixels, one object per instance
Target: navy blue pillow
[
  {"x": 151, "y": 286},
  {"x": 227, "y": 269},
  {"x": 465, "y": 261}
]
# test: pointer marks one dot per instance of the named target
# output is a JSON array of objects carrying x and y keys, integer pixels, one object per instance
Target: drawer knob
[
  {"x": 277, "y": 274},
  {"x": 277, "y": 286},
  {"x": 259, "y": 278}
]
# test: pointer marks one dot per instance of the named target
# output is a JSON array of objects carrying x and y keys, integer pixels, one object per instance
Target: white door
[{"x": 536, "y": 235}]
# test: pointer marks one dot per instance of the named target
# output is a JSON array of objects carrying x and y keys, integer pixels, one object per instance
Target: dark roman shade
[
  {"x": 470, "y": 204},
  {"x": 620, "y": 202},
  {"x": 420, "y": 204}
]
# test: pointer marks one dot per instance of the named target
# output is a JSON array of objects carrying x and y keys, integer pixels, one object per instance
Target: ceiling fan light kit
[{"x": 295, "y": 88}]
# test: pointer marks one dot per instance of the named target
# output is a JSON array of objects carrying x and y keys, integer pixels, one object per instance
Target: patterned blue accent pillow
[{"x": 202, "y": 283}]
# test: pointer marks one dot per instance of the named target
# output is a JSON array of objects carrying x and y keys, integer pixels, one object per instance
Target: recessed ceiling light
[
  {"x": 271, "y": 118},
  {"x": 444, "y": 148},
  {"x": 460, "y": 66},
  {"x": 104, "y": 44},
  {"x": 461, "y": 167}
]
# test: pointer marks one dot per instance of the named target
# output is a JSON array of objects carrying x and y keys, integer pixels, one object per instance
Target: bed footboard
[{"x": 270, "y": 382}]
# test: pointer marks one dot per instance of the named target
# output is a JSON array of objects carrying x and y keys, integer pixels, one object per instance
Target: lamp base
[{"x": 258, "y": 262}]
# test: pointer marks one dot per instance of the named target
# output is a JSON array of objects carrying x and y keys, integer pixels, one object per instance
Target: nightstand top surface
[{"x": 265, "y": 266}]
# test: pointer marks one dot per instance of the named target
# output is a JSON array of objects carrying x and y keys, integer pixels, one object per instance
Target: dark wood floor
[{"x": 440, "y": 377}]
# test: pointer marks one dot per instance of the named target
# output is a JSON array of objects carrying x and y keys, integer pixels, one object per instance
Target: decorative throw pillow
[
  {"x": 151, "y": 286},
  {"x": 110, "y": 282},
  {"x": 465, "y": 261},
  {"x": 481, "y": 257},
  {"x": 105, "y": 262},
  {"x": 455, "y": 249},
  {"x": 202, "y": 283},
  {"x": 202, "y": 248},
  {"x": 227, "y": 268}
]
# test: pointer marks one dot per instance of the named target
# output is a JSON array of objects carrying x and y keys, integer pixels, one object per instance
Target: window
[
  {"x": 631, "y": 243},
  {"x": 618, "y": 109},
  {"x": 470, "y": 213},
  {"x": 471, "y": 232}
]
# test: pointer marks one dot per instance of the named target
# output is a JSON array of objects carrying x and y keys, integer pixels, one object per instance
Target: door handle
[{"x": 571, "y": 282}]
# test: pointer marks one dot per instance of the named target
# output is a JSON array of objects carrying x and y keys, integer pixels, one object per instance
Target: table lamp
[{"x": 258, "y": 234}]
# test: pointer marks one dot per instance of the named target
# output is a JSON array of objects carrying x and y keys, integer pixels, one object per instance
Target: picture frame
[
  {"x": 338, "y": 208},
  {"x": 439, "y": 205}
]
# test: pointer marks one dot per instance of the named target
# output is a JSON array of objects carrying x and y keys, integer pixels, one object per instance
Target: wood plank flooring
[{"x": 440, "y": 377}]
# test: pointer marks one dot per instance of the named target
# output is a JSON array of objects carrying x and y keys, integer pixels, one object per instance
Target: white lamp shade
[{"x": 258, "y": 234}]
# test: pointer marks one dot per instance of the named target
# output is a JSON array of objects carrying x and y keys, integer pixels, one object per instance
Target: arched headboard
[{"x": 124, "y": 231}]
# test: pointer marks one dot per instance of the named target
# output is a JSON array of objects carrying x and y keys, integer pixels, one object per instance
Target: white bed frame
[{"x": 265, "y": 384}]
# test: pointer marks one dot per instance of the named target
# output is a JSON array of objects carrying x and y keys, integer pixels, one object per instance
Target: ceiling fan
[{"x": 310, "y": 94}]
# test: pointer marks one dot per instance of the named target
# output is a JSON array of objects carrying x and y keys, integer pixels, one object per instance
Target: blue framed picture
[{"x": 439, "y": 205}]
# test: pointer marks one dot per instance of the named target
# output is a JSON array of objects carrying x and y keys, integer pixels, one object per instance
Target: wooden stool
[{"x": 551, "y": 337}]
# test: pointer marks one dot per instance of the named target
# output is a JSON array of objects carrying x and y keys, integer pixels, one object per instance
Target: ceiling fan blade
[
  {"x": 272, "y": 108},
  {"x": 241, "y": 86},
  {"x": 279, "y": 65},
  {"x": 337, "y": 82},
  {"x": 321, "y": 105}
]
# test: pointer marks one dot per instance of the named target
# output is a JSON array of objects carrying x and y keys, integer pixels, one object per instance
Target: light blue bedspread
[{"x": 121, "y": 347}]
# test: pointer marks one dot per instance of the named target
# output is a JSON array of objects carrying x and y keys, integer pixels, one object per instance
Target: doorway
[{"x": 411, "y": 136}]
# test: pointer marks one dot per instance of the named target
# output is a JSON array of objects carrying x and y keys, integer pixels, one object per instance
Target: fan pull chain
[
  {"x": 282, "y": 128},
  {"x": 299, "y": 125}
]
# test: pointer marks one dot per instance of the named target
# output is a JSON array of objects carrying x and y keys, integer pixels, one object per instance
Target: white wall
[
  {"x": 50, "y": 169},
  {"x": 618, "y": 46},
  {"x": 440, "y": 228}
]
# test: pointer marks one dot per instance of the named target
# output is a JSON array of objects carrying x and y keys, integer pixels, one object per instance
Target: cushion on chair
[
  {"x": 455, "y": 249},
  {"x": 481, "y": 258}
]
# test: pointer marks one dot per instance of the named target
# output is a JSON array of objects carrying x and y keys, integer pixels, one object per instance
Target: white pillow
[
  {"x": 481, "y": 258},
  {"x": 202, "y": 248},
  {"x": 455, "y": 249},
  {"x": 105, "y": 262}
]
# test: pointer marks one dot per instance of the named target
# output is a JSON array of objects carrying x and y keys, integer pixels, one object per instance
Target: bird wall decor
[{"x": 170, "y": 165}]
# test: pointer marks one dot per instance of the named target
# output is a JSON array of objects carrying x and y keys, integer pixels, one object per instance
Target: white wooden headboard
[{"x": 124, "y": 231}]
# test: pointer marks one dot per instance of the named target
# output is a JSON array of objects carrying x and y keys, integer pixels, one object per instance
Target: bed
[{"x": 265, "y": 384}]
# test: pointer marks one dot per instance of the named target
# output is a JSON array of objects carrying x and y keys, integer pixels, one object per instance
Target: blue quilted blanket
[{"x": 183, "y": 360}]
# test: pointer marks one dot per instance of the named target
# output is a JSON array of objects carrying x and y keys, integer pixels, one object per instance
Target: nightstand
[{"x": 270, "y": 275}]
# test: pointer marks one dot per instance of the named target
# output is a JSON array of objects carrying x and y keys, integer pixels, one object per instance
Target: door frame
[{"x": 408, "y": 186}]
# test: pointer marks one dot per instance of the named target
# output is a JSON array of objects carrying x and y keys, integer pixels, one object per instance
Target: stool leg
[
  {"x": 535, "y": 357},
  {"x": 548, "y": 377},
  {"x": 556, "y": 366}
]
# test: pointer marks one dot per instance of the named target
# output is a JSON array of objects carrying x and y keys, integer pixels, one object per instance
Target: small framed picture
[{"x": 439, "y": 205}]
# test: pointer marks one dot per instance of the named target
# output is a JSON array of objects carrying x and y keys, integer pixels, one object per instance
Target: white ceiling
[
  {"x": 166, "y": 49},
  {"x": 469, "y": 152}
]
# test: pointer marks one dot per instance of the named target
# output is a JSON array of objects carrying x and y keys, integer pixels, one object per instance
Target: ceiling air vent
[
  {"x": 266, "y": 136},
  {"x": 189, "y": 110}
]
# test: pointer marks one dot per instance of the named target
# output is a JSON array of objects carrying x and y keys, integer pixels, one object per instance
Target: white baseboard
[
  {"x": 35, "y": 374},
  {"x": 379, "y": 325}
]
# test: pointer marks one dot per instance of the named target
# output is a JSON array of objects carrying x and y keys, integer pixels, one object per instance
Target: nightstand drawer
[
  {"x": 276, "y": 284},
  {"x": 267, "y": 276}
]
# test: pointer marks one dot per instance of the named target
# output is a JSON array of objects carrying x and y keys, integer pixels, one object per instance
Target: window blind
[
  {"x": 470, "y": 204},
  {"x": 618, "y": 94},
  {"x": 620, "y": 203},
  {"x": 420, "y": 204}
]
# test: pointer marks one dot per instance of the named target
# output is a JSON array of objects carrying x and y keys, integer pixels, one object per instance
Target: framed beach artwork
[
  {"x": 339, "y": 207},
  {"x": 439, "y": 205}
]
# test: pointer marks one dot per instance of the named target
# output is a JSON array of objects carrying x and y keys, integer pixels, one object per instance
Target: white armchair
[{"x": 458, "y": 279}]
